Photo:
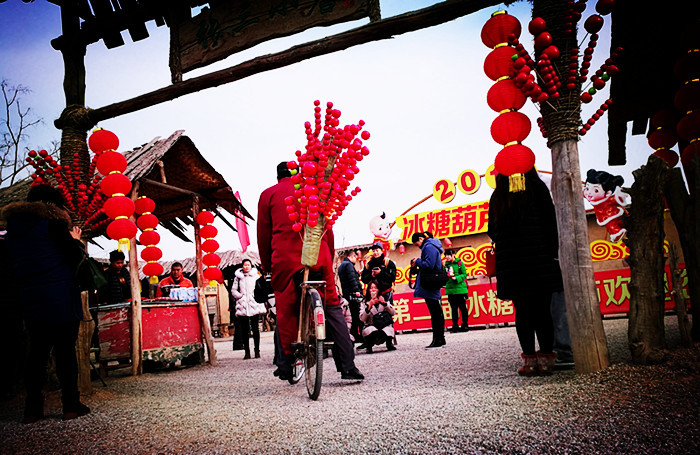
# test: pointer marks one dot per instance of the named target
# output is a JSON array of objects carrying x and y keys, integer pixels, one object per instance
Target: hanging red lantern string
[
  {"x": 508, "y": 95},
  {"x": 207, "y": 232},
  {"x": 149, "y": 238},
  {"x": 687, "y": 102},
  {"x": 115, "y": 185}
]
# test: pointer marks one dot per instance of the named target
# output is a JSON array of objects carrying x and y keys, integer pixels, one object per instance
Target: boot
[
  {"x": 545, "y": 363},
  {"x": 529, "y": 367},
  {"x": 247, "y": 354},
  {"x": 390, "y": 345},
  {"x": 257, "y": 353}
]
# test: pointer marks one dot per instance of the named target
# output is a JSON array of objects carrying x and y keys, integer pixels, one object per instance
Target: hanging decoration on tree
[
  {"x": 207, "y": 232},
  {"x": 687, "y": 101},
  {"x": 149, "y": 238},
  {"x": 115, "y": 185},
  {"x": 511, "y": 127},
  {"x": 663, "y": 135},
  {"x": 325, "y": 171},
  {"x": 554, "y": 73}
]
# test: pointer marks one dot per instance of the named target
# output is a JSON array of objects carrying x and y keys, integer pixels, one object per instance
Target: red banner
[{"x": 485, "y": 308}]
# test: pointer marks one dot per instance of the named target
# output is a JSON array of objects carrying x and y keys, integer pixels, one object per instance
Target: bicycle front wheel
[{"x": 313, "y": 355}]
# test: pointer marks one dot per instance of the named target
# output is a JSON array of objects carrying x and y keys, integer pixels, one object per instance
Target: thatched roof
[{"x": 177, "y": 162}]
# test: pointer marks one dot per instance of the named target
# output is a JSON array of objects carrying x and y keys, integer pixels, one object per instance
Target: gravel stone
[{"x": 465, "y": 398}]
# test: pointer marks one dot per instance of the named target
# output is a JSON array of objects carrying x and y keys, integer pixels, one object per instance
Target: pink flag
[{"x": 242, "y": 228}]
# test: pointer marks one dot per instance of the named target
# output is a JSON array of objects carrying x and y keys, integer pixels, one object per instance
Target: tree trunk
[
  {"x": 645, "y": 239},
  {"x": 685, "y": 212},
  {"x": 679, "y": 299},
  {"x": 82, "y": 347},
  {"x": 588, "y": 340}
]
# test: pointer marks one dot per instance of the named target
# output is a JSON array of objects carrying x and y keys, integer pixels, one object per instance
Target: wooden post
[
  {"x": 645, "y": 239},
  {"x": 82, "y": 348},
  {"x": 201, "y": 298},
  {"x": 588, "y": 340},
  {"x": 136, "y": 320},
  {"x": 679, "y": 299}
]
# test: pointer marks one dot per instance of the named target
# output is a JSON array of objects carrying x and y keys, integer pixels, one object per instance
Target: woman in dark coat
[
  {"x": 523, "y": 227},
  {"x": 44, "y": 250}
]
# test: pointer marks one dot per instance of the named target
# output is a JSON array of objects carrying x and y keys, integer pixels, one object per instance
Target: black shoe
[
  {"x": 284, "y": 375},
  {"x": 436, "y": 344},
  {"x": 390, "y": 346},
  {"x": 75, "y": 412},
  {"x": 464, "y": 328},
  {"x": 362, "y": 346},
  {"x": 369, "y": 349},
  {"x": 353, "y": 374}
]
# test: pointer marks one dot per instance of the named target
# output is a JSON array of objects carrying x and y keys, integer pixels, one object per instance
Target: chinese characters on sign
[{"x": 449, "y": 222}]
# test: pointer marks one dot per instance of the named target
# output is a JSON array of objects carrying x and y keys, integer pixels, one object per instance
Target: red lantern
[
  {"x": 514, "y": 159},
  {"x": 121, "y": 229},
  {"x": 208, "y": 231},
  {"x": 144, "y": 205},
  {"x": 690, "y": 152},
  {"x": 211, "y": 260},
  {"x": 210, "y": 246},
  {"x": 205, "y": 217},
  {"x": 665, "y": 118},
  {"x": 102, "y": 140},
  {"x": 147, "y": 221},
  {"x": 688, "y": 66},
  {"x": 149, "y": 237},
  {"x": 669, "y": 156},
  {"x": 505, "y": 95},
  {"x": 152, "y": 269},
  {"x": 151, "y": 254},
  {"x": 687, "y": 97},
  {"x": 213, "y": 274},
  {"x": 662, "y": 138},
  {"x": 118, "y": 206},
  {"x": 111, "y": 161},
  {"x": 498, "y": 63},
  {"x": 115, "y": 184},
  {"x": 689, "y": 127},
  {"x": 510, "y": 127},
  {"x": 497, "y": 29}
]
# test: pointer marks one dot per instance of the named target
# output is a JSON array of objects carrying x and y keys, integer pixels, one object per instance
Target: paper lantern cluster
[
  {"x": 552, "y": 74},
  {"x": 322, "y": 175},
  {"x": 687, "y": 101},
  {"x": 507, "y": 96},
  {"x": 207, "y": 233},
  {"x": 149, "y": 238},
  {"x": 663, "y": 135},
  {"x": 115, "y": 185}
]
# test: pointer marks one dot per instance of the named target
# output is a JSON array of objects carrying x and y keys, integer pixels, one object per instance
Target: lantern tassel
[
  {"x": 123, "y": 245},
  {"x": 213, "y": 282},
  {"x": 516, "y": 183},
  {"x": 153, "y": 279}
]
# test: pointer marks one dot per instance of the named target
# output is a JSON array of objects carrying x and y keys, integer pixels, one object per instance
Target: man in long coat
[{"x": 280, "y": 252}]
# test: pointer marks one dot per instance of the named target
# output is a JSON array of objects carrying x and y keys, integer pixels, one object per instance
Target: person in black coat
[
  {"x": 382, "y": 270},
  {"x": 45, "y": 249},
  {"x": 523, "y": 227},
  {"x": 352, "y": 291},
  {"x": 118, "y": 287}
]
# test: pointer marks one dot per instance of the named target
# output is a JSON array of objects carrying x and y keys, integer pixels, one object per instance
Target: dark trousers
[
  {"x": 248, "y": 323},
  {"x": 337, "y": 331},
  {"x": 42, "y": 337},
  {"x": 458, "y": 303},
  {"x": 354, "y": 303},
  {"x": 534, "y": 318},
  {"x": 437, "y": 319}
]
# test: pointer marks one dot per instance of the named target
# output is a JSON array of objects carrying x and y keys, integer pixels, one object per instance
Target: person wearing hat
[
  {"x": 118, "y": 288},
  {"x": 280, "y": 253},
  {"x": 44, "y": 250},
  {"x": 382, "y": 270}
]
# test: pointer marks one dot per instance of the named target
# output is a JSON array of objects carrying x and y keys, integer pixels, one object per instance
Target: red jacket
[{"x": 279, "y": 246}]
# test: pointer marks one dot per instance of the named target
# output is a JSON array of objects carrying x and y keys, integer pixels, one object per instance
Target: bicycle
[{"x": 309, "y": 347}]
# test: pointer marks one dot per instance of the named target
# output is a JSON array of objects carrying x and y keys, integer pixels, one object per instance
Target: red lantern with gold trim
[
  {"x": 662, "y": 138},
  {"x": 149, "y": 237},
  {"x": 505, "y": 95},
  {"x": 689, "y": 127},
  {"x": 111, "y": 161},
  {"x": 120, "y": 229},
  {"x": 498, "y": 63},
  {"x": 510, "y": 127},
  {"x": 118, "y": 206},
  {"x": 153, "y": 269},
  {"x": 151, "y": 254},
  {"x": 211, "y": 260},
  {"x": 102, "y": 140},
  {"x": 669, "y": 156},
  {"x": 144, "y": 205},
  {"x": 147, "y": 221},
  {"x": 498, "y": 28}
]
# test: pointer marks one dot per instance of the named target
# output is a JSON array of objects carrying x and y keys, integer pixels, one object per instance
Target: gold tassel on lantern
[
  {"x": 153, "y": 279},
  {"x": 516, "y": 182},
  {"x": 123, "y": 245}
]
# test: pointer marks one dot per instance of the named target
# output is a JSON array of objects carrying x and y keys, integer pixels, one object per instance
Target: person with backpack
[
  {"x": 429, "y": 262},
  {"x": 456, "y": 290}
]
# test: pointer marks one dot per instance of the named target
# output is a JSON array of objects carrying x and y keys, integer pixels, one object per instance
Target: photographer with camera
[
  {"x": 429, "y": 260},
  {"x": 382, "y": 270},
  {"x": 378, "y": 316}
]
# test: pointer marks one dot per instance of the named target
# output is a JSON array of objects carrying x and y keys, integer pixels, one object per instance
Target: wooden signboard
[{"x": 232, "y": 26}]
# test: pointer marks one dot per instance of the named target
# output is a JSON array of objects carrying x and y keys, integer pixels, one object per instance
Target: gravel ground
[{"x": 463, "y": 398}]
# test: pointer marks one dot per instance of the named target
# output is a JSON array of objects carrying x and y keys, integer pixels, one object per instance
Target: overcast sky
[{"x": 422, "y": 96}]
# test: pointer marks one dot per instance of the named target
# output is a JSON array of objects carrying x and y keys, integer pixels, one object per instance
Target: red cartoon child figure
[
  {"x": 602, "y": 190},
  {"x": 381, "y": 228}
]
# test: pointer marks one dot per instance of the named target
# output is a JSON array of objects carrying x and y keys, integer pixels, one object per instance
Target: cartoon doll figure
[
  {"x": 380, "y": 227},
  {"x": 602, "y": 190}
]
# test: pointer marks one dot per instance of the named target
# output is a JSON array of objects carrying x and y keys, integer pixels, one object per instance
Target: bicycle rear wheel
[{"x": 313, "y": 355}]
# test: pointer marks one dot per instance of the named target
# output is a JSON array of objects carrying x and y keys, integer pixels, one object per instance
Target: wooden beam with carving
[{"x": 384, "y": 29}]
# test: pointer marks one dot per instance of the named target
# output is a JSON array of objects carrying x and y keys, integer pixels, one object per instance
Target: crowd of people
[{"x": 522, "y": 226}]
